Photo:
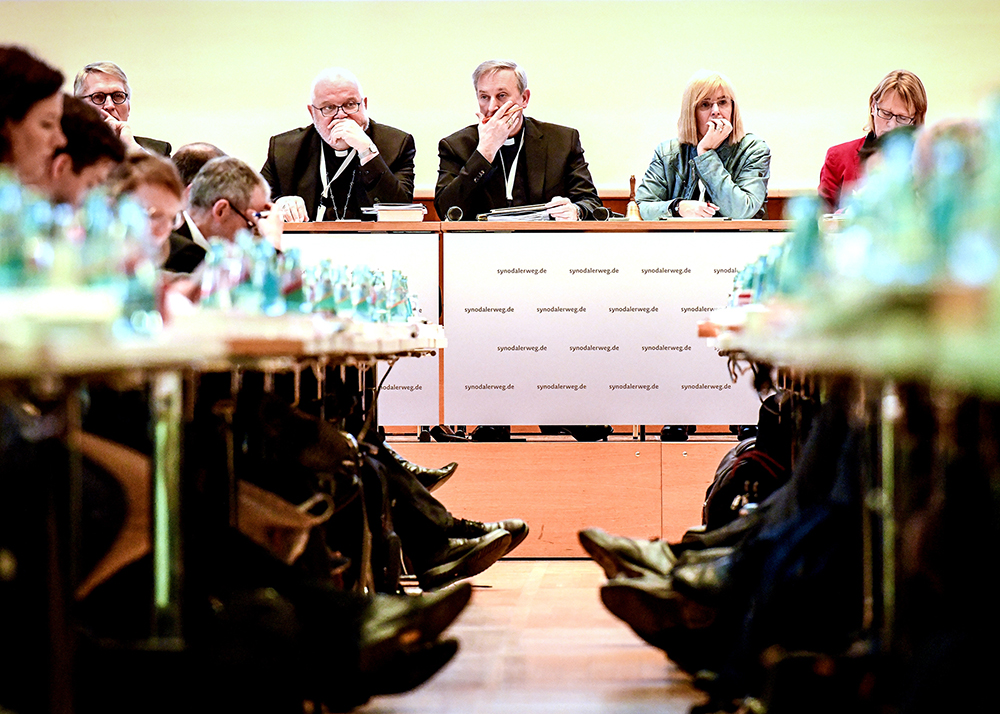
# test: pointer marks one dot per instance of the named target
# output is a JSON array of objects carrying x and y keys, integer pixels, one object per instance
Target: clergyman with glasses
[
  {"x": 898, "y": 100},
  {"x": 343, "y": 162},
  {"x": 105, "y": 85}
]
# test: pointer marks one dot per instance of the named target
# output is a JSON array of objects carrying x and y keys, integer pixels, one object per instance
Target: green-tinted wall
[{"x": 234, "y": 73}]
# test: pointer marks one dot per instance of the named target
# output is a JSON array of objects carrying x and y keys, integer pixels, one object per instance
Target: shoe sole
[
  {"x": 436, "y": 617},
  {"x": 609, "y": 562},
  {"x": 415, "y": 669},
  {"x": 472, "y": 563},
  {"x": 652, "y": 615}
]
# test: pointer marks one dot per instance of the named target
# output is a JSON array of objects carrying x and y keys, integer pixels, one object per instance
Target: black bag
[{"x": 754, "y": 469}]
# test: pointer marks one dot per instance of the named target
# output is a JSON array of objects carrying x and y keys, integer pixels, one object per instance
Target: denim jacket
[{"x": 735, "y": 178}]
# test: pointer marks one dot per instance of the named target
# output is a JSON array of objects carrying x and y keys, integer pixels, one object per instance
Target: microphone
[
  {"x": 453, "y": 214},
  {"x": 601, "y": 213}
]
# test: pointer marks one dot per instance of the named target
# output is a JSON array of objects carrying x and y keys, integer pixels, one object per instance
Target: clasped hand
[
  {"x": 350, "y": 132},
  {"x": 696, "y": 209},
  {"x": 562, "y": 209},
  {"x": 122, "y": 130},
  {"x": 291, "y": 209},
  {"x": 717, "y": 131},
  {"x": 493, "y": 131}
]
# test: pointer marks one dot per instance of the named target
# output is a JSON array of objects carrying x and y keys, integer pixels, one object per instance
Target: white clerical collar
[
  {"x": 196, "y": 235},
  {"x": 509, "y": 142},
  {"x": 341, "y": 153}
]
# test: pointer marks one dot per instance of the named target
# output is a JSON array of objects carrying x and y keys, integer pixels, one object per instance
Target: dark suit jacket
[
  {"x": 185, "y": 254},
  {"x": 292, "y": 167},
  {"x": 154, "y": 146},
  {"x": 552, "y": 157}
]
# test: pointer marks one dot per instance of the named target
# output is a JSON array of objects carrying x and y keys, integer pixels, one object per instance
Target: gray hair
[
  {"x": 226, "y": 177},
  {"x": 331, "y": 73},
  {"x": 490, "y": 67},
  {"x": 103, "y": 67}
]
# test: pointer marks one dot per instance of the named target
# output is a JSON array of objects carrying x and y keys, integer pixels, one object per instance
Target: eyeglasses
[
  {"x": 99, "y": 98},
  {"x": 162, "y": 220},
  {"x": 331, "y": 111},
  {"x": 251, "y": 225},
  {"x": 901, "y": 119},
  {"x": 707, "y": 104}
]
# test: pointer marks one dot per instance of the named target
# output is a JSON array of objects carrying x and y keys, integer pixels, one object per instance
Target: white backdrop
[
  {"x": 591, "y": 328},
  {"x": 410, "y": 392}
]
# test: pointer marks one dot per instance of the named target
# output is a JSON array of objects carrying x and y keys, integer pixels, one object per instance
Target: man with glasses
[
  {"x": 226, "y": 196},
  {"x": 343, "y": 162},
  {"x": 507, "y": 159},
  {"x": 105, "y": 85}
]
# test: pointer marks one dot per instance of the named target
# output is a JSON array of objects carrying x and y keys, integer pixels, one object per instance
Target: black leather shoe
[
  {"x": 445, "y": 433},
  {"x": 463, "y": 558},
  {"x": 651, "y": 607},
  {"x": 597, "y": 432},
  {"x": 394, "y": 623},
  {"x": 491, "y": 432},
  {"x": 579, "y": 432},
  {"x": 408, "y": 670},
  {"x": 630, "y": 557},
  {"x": 673, "y": 433},
  {"x": 517, "y": 528},
  {"x": 431, "y": 479}
]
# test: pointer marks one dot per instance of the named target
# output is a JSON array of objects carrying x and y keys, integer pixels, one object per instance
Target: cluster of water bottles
[
  {"x": 100, "y": 250},
  {"x": 250, "y": 276},
  {"x": 925, "y": 217}
]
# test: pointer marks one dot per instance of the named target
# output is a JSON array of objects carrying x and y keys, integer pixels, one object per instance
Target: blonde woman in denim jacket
[{"x": 714, "y": 168}]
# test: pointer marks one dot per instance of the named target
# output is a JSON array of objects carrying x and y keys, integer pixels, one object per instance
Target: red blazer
[{"x": 841, "y": 169}]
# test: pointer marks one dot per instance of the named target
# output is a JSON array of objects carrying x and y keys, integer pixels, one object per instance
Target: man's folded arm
[
  {"x": 457, "y": 180},
  {"x": 391, "y": 184}
]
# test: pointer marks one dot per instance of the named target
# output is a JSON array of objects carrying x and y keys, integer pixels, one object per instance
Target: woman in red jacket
[{"x": 898, "y": 100}]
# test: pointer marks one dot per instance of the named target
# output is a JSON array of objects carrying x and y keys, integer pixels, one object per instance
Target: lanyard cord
[
  {"x": 509, "y": 179},
  {"x": 327, "y": 193}
]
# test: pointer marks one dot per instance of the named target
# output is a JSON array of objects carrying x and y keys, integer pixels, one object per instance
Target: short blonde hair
[
  {"x": 909, "y": 88},
  {"x": 703, "y": 84}
]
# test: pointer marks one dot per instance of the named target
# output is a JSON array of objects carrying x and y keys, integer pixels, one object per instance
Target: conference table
[{"x": 53, "y": 364}]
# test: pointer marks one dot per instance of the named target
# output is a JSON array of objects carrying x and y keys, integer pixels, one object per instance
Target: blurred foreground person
[
  {"x": 30, "y": 115},
  {"x": 91, "y": 152}
]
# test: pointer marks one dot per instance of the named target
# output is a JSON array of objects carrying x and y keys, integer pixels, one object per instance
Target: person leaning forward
[
  {"x": 343, "y": 162},
  {"x": 507, "y": 159}
]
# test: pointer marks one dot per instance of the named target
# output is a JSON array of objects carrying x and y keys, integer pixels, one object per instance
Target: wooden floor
[
  {"x": 536, "y": 639},
  {"x": 647, "y": 489}
]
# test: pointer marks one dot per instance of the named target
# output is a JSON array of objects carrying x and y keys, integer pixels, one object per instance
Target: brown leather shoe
[{"x": 630, "y": 557}]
